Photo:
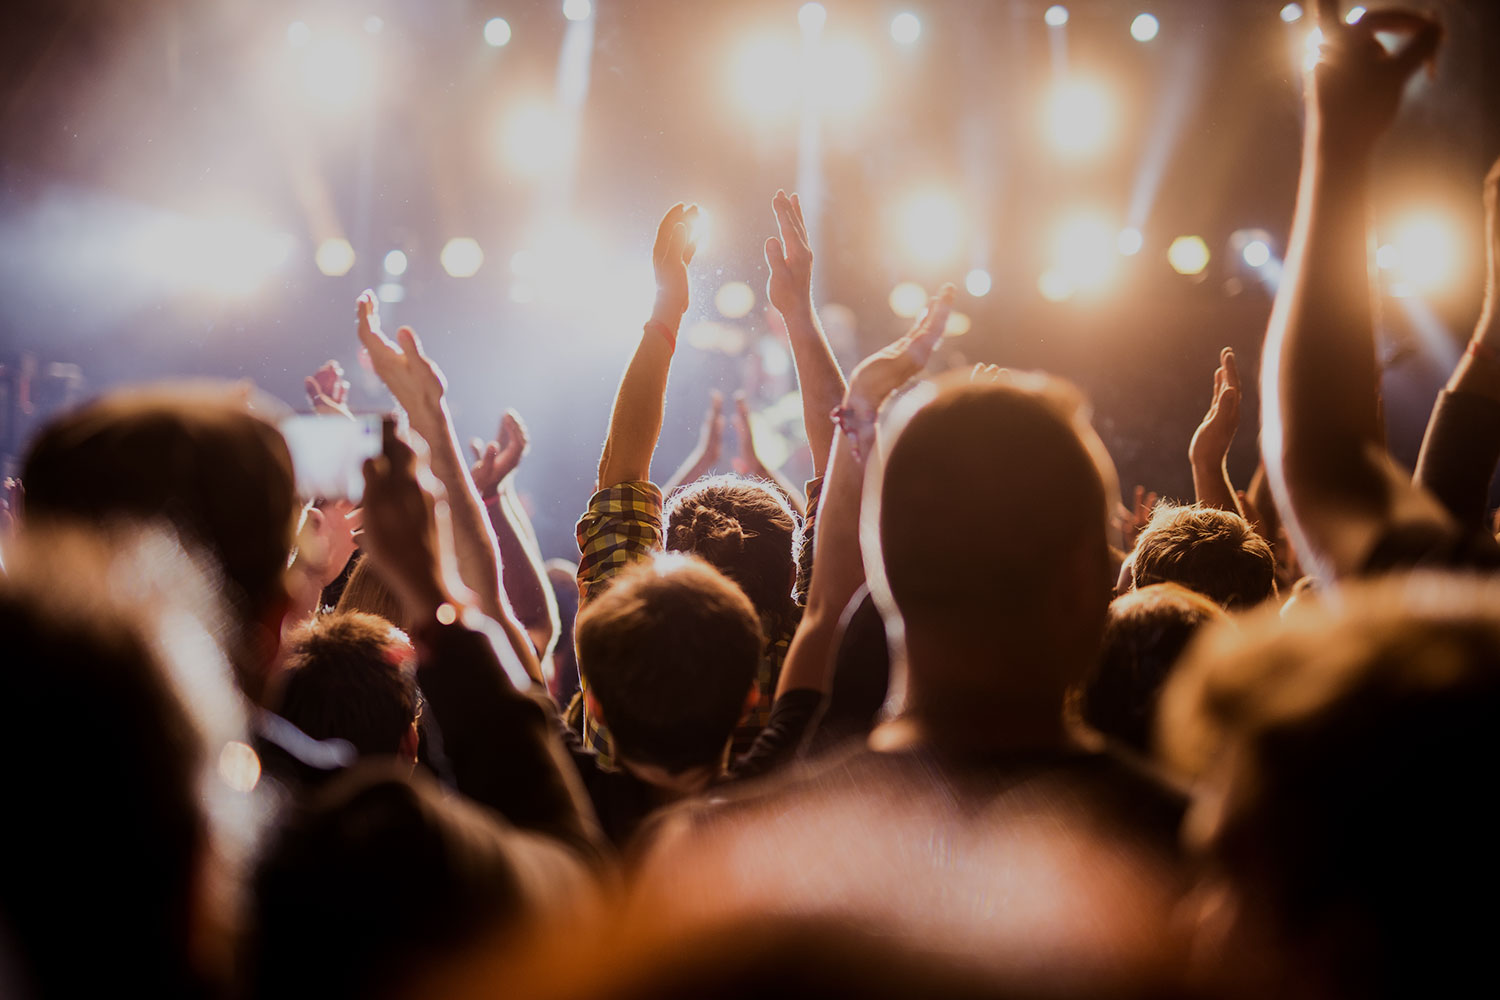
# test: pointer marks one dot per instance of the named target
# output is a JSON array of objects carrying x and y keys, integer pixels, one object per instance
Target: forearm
[
  {"x": 819, "y": 379},
  {"x": 635, "y": 422},
  {"x": 1212, "y": 486},
  {"x": 522, "y": 573}
]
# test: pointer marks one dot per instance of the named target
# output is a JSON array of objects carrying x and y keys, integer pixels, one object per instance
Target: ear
[{"x": 409, "y": 742}]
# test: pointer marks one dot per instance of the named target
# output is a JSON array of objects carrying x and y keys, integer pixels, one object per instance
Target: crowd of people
[{"x": 950, "y": 720}]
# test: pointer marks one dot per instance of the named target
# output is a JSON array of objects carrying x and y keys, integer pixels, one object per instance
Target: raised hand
[
  {"x": 415, "y": 381},
  {"x": 494, "y": 461},
  {"x": 1356, "y": 84},
  {"x": 670, "y": 257},
  {"x": 748, "y": 462},
  {"x": 1211, "y": 440},
  {"x": 789, "y": 258},
  {"x": 885, "y": 371},
  {"x": 328, "y": 390},
  {"x": 400, "y": 528}
]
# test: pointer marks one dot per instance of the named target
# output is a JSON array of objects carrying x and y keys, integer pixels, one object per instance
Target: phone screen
[{"x": 329, "y": 452}]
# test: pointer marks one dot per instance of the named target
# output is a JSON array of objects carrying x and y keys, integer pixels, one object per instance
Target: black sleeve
[
  {"x": 1459, "y": 454},
  {"x": 793, "y": 718},
  {"x": 500, "y": 744}
]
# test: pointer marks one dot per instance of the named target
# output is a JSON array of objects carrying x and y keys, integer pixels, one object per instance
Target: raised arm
[
  {"x": 635, "y": 423},
  {"x": 521, "y": 569},
  {"x": 419, "y": 386},
  {"x": 789, "y": 288},
  {"x": 1320, "y": 427},
  {"x": 1208, "y": 452}
]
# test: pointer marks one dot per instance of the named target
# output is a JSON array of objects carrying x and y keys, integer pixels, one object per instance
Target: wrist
[
  {"x": 664, "y": 325},
  {"x": 799, "y": 317}
]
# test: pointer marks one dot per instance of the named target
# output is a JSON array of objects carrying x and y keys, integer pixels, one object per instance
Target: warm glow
[
  {"x": 219, "y": 256},
  {"x": 337, "y": 73},
  {"x": 734, "y": 299},
  {"x": 461, "y": 257},
  {"x": 765, "y": 73},
  {"x": 1084, "y": 251},
  {"x": 908, "y": 299},
  {"x": 1188, "y": 255},
  {"x": 334, "y": 257},
  {"x": 1056, "y": 16},
  {"x": 534, "y": 139},
  {"x": 931, "y": 227},
  {"x": 978, "y": 282},
  {"x": 1424, "y": 252},
  {"x": 958, "y": 324},
  {"x": 1129, "y": 242},
  {"x": 846, "y": 77},
  {"x": 1079, "y": 117},
  {"x": 1144, "y": 27},
  {"x": 1054, "y": 286}
]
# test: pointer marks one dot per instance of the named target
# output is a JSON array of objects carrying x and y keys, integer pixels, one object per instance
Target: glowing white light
[
  {"x": 1424, "y": 252},
  {"x": 1387, "y": 257},
  {"x": 734, "y": 299},
  {"x": 905, "y": 28},
  {"x": 334, "y": 257},
  {"x": 534, "y": 139},
  {"x": 298, "y": 34},
  {"x": 931, "y": 226},
  {"x": 1054, "y": 286},
  {"x": 1256, "y": 253},
  {"x": 390, "y": 291},
  {"x": 1085, "y": 251},
  {"x": 461, "y": 257},
  {"x": 908, "y": 299},
  {"x": 958, "y": 324},
  {"x": 1291, "y": 13},
  {"x": 1056, "y": 16},
  {"x": 337, "y": 72},
  {"x": 812, "y": 17},
  {"x": 239, "y": 766},
  {"x": 395, "y": 263},
  {"x": 577, "y": 10},
  {"x": 764, "y": 74},
  {"x": 1129, "y": 242},
  {"x": 374, "y": 24},
  {"x": 1078, "y": 117},
  {"x": 978, "y": 282},
  {"x": 1355, "y": 15},
  {"x": 497, "y": 32},
  {"x": 220, "y": 256},
  {"x": 1402, "y": 290},
  {"x": 846, "y": 77},
  {"x": 1313, "y": 51},
  {"x": 1144, "y": 27},
  {"x": 1188, "y": 255}
]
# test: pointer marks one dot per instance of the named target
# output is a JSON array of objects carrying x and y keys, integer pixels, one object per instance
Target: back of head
[
  {"x": 1212, "y": 551},
  {"x": 1347, "y": 754},
  {"x": 366, "y": 592},
  {"x": 350, "y": 676},
  {"x": 670, "y": 651},
  {"x": 1146, "y": 633},
  {"x": 746, "y": 530}
]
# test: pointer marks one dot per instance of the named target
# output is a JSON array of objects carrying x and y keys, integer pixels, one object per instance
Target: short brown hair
[
  {"x": 1212, "y": 551},
  {"x": 350, "y": 676},
  {"x": 670, "y": 651}
]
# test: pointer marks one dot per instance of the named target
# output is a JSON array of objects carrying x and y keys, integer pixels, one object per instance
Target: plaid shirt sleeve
[
  {"x": 805, "y": 547},
  {"x": 621, "y": 527}
]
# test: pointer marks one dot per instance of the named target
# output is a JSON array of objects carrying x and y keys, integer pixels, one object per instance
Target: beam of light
[
  {"x": 1084, "y": 251},
  {"x": 978, "y": 282},
  {"x": 1423, "y": 252},
  {"x": 535, "y": 139},
  {"x": 734, "y": 299},
  {"x": 1312, "y": 49},
  {"x": 1056, "y": 16},
  {"x": 1436, "y": 340},
  {"x": 765, "y": 77},
  {"x": 497, "y": 32},
  {"x": 395, "y": 263},
  {"x": 462, "y": 257},
  {"x": 334, "y": 257},
  {"x": 1144, "y": 28},
  {"x": 577, "y": 10},
  {"x": 906, "y": 28},
  {"x": 846, "y": 78},
  {"x": 562, "y": 256},
  {"x": 930, "y": 227},
  {"x": 1079, "y": 117},
  {"x": 1172, "y": 109},
  {"x": 1291, "y": 13},
  {"x": 811, "y": 17},
  {"x": 907, "y": 299},
  {"x": 337, "y": 72},
  {"x": 1188, "y": 255}
]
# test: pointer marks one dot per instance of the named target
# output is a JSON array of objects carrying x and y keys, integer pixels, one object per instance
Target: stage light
[
  {"x": 1078, "y": 117},
  {"x": 905, "y": 28},
  {"x": 334, "y": 257},
  {"x": 734, "y": 299},
  {"x": 958, "y": 324},
  {"x": 812, "y": 17},
  {"x": 1054, "y": 286},
  {"x": 1256, "y": 253},
  {"x": 390, "y": 292},
  {"x": 1084, "y": 251},
  {"x": 1386, "y": 257},
  {"x": 577, "y": 10},
  {"x": 846, "y": 77},
  {"x": 497, "y": 32},
  {"x": 1355, "y": 15},
  {"x": 701, "y": 231},
  {"x": 1056, "y": 16},
  {"x": 1188, "y": 255},
  {"x": 222, "y": 256},
  {"x": 978, "y": 282},
  {"x": 908, "y": 299},
  {"x": 298, "y": 34},
  {"x": 1424, "y": 252},
  {"x": 765, "y": 74},
  {"x": 1314, "y": 50},
  {"x": 461, "y": 257},
  {"x": 1129, "y": 242},
  {"x": 1291, "y": 13},
  {"x": 1144, "y": 27},
  {"x": 395, "y": 263},
  {"x": 374, "y": 24},
  {"x": 931, "y": 227},
  {"x": 337, "y": 72},
  {"x": 534, "y": 139}
]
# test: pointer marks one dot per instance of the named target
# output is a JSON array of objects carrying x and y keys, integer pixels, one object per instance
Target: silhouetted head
[
  {"x": 366, "y": 592},
  {"x": 1212, "y": 551}
]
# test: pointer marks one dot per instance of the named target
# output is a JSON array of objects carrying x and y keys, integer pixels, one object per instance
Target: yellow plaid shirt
[{"x": 623, "y": 525}]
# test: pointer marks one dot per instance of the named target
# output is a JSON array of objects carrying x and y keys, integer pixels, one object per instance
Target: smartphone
[{"x": 329, "y": 452}]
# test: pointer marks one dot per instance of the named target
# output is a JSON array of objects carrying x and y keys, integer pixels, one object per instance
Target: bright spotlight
[
  {"x": 812, "y": 17},
  {"x": 1078, "y": 117},
  {"x": 905, "y": 28},
  {"x": 1386, "y": 257},
  {"x": 395, "y": 263},
  {"x": 1256, "y": 253},
  {"x": 765, "y": 74},
  {"x": 978, "y": 282},
  {"x": 701, "y": 230},
  {"x": 1054, "y": 286},
  {"x": 734, "y": 299},
  {"x": 1424, "y": 252},
  {"x": 1188, "y": 255},
  {"x": 334, "y": 257},
  {"x": 1291, "y": 13},
  {"x": 931, "y": 226},
  {"x": 577, "y": 10},
  {"x": 958, "y": 324},
  {"x": 1314, "y": 50},
  {"x": 1144, "y": 27},
  {"x": 496, "y": 32},
  {"x": 1355, "y": 15},
  {"x": 1056, "y": 16},
  {"x": 219, "y": 256},
  {"x": 846, "y": 77},
  {"x": 461, "y": 257},
  {"x": 908, "y": 299},
  {"x": 298, "y": 34},
  {"x": 534, "y": 139},
  {"x": 1084, "y": 252},
  {"x": 337, "y": 72},
  {"x": 1129, "y": 242}
]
